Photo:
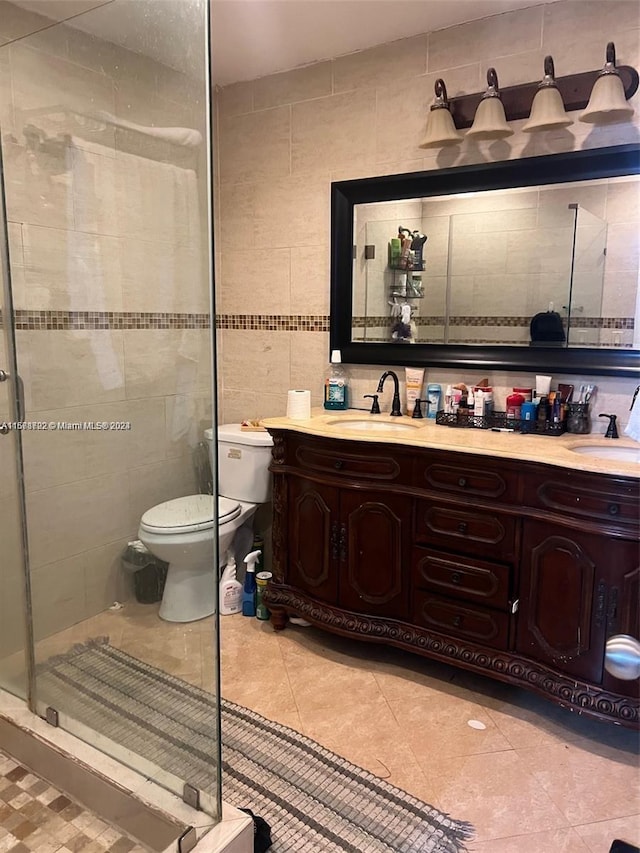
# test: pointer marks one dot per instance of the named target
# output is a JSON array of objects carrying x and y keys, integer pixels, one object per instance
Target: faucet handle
[
  {"x": 612, "y": 429},
  {"x": 375, "y": 406}
]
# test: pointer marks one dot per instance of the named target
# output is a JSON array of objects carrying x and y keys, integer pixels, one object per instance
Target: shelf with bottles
[{"x": 406, "y": 286}]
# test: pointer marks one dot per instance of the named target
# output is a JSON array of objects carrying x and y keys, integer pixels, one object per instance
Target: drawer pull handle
[
  {"x": 338, "y": 464},
  {"x": 462, "y": 527},
  {"x": 462, "y": 482},
  {"x": 614, "y": 509},
  {"x": 456, "y": 577},
  {"x": 457, "y": 622}
]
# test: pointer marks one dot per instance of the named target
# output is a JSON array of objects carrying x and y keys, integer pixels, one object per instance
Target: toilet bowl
[{"x": 182, "y": 531}]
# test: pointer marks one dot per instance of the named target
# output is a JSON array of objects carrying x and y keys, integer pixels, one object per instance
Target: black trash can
[{"x": 148, "y": 572}]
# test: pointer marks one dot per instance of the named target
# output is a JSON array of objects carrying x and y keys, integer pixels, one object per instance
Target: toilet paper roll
[{"x": 299, "y": 405}]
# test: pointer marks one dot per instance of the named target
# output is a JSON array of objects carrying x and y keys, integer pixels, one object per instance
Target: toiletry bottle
[
  {"x": 336, "y": 384},
  {"x": 230, "y": 589},
  {"x": 249, "y": 592},
  {"x": 433, "y": 398}
]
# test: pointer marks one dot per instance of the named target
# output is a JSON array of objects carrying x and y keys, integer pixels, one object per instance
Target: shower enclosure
[{"x": 105, "y": 338}]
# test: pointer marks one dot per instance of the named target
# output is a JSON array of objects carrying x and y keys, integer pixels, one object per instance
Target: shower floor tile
[{"x": 35, "y": 817}]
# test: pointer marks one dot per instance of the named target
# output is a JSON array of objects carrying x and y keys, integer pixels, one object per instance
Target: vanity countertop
[{"x": 550, "y": 450}]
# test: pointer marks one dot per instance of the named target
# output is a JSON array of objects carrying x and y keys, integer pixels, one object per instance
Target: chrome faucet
[{"x": 395, "y": 405}]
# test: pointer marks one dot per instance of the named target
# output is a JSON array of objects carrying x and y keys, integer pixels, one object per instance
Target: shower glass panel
[
  {"x": 587, "y": 290},
  {"x": 106, "y": 149}
]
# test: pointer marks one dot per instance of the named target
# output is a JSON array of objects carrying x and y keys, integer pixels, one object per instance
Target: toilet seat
[{"x": 189, "y": 515}]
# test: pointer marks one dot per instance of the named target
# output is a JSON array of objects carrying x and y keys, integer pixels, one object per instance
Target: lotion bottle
[
  {"x": 230, "y": 589},
  {"x": 249, "y": 592}
]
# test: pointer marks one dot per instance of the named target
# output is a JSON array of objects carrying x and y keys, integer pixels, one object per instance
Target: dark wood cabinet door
[
  {"x": 375, "y": 565},
  {"x": 623, "y": 613},
  {"x": 563, "y": 603},
  {"x": 314, "y": 532}
]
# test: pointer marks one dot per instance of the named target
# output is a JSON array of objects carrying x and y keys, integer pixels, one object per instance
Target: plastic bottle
[
  {"x": 433, "y": 396},
  {"x": 230, "y": 589},
  {"x": 249, "y": 591},
  {"x": 336, "y": 384}
]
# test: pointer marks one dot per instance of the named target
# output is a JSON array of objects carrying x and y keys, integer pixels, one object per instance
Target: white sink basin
[
  {"x": 366, "y": 425},
  {"x": 610, "y": 451}
]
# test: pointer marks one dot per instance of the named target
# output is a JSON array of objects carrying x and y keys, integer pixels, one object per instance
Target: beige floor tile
[
  {"x": 587, "y": 780},
  {"x": 598, "y": 836},
  {"x": 554, "y": 841},
  {"x": 497, "y": 794}
]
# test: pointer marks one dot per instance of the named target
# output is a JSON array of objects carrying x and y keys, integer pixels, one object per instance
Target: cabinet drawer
[
  {"x": 476, "y": 533},
  {"x": 606, "y": 499},
  {"x": 343, "y": 462},
  {"x": 474, "y": 478},
  {"x": 462, "y": 577},
  {"x": 464, "y": 621}
]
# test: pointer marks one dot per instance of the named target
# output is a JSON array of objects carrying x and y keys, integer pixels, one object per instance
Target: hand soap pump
[
  {"x": 230, "y": 589},
  {"x": 249, "y": 592}
]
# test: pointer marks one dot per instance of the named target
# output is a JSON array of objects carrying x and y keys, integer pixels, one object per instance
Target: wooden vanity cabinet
[{"x": 517, "y": 570}]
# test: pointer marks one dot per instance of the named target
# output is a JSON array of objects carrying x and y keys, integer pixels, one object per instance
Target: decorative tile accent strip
[
  {"x": 516, "y": 322},
  {"x": 274, "y": 322}
]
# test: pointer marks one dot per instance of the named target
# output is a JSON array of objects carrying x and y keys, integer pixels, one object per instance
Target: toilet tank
[{"x": 243, "y": 463}]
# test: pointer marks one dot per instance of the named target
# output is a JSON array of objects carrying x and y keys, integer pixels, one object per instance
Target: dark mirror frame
[{"x": 562, "y": 168}]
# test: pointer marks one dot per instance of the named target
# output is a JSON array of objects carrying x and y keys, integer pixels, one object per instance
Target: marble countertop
[{"x": 550, "y": 450}]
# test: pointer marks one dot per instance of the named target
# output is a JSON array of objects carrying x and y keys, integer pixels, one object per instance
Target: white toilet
[{"x": 181, "y": 532}]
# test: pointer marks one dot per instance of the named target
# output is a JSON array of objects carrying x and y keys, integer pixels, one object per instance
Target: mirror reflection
[{"x": 547, "y": 266}]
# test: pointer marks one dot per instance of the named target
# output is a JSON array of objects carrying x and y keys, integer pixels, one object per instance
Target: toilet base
[{"x": 189, "y": 595}]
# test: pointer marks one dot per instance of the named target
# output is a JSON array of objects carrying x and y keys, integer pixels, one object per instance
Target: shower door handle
[{"x": 4, "y": 377}]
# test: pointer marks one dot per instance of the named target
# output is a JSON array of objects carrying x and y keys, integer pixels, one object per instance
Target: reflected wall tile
[
  {"x": 163, "y": 362},
  {"x": 255, "y": 284},
  {"x": 163, "y": 481},
  {"x": 301, "y": 84},
  {"x": 186, "y": 418},
  {"x": 97, "y": 201},
  {"x": 380, "y": 65},
  {"x": 620, "y": 293},
  {"x": 76, "y": 517},
  {"x": 623, "y": 201},
  {"x": 291, "y": 212},
  {"x": 256, "y": 146},
  {"x": 335, "y": 130},
  {"x": 39, "y": 188},
  {"x": 72, "y": 368},
  {"x": 257, "y": 360},
  {"x": 71, "y": 270},
  {"x": 486, "y": 39},
  {"x": 623, "y": 247}
]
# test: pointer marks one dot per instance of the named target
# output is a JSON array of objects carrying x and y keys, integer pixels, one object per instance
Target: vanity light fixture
[
  {"x": 441, "y": 129},
  {"x": 490, "y": 121},
  {"x": 547, "y": 109},
  {"x": 608, "y": 101}
]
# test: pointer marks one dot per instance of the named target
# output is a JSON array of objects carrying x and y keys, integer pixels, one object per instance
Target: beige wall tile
[
  {"x": 152, "y": 484},
  {"x": 257, "y": 360},
  {"x": 105, "y": 581},
  {"x": 69, "y": 519},
  {"x": 12, "y": 634},
  {"x": 16, "y": 265},
  {"x": 395, "y": 61},
  {"x": 256, "y": 146},
  {"x": 186, "y": 418},
  {"x": 301, "y": 84},
  {"x": 54, "y": 457},
  {"x": 38, "y": 191},
  {"x": 309, "y": 361},
  {"x": 234, "y": 100},
  {"x": 253, "y": 282},
  {"x": 310, "y": 280},
  {"x": 162, "y": 276},
  {"x": 486, "y": 39},
  {"x": 333, "y": 131},
  {"x": 578, "y": 32},
  {"x": 239, "y": 405},
  {"x": 291, "y": 212}
]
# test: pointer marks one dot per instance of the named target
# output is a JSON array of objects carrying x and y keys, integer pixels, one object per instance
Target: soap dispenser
[{"x": 249, "y": 592}]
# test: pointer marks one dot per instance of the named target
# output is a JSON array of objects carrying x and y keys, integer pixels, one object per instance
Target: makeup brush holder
[{"x": 578, "y": 418}]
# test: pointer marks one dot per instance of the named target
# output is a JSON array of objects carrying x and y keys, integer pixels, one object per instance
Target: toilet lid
[{"x": 189, "y": 514}]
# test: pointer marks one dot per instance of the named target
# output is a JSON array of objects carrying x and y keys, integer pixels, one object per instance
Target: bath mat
[{"x": 315, "y": 801}]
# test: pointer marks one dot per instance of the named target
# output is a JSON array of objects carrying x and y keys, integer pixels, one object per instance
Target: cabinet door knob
[
  {"x": 343, "y": 543},
  {"x": 614, "y": 509},
  {"x": 457, "y": 622},
  {"x": 462, "y": 527},
  {"x": 456, "y": 577},
  {"x": 338, "y": 464},
  {"x": 462, "y": 482},
  {"x": 334, "y": 540}
]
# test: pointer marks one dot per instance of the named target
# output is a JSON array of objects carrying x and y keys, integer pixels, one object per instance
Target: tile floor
[
  {"x": 35, "y": 817},
  {"x": 533, "y": 779}
]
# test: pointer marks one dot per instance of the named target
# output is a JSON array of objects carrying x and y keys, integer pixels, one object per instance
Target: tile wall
[
  {"x": 108, "y": 246},
  {"x": 283, "y": 139}
]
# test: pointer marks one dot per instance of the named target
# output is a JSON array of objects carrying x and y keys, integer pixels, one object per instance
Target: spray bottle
[
  {"x": 230, "y": 588},
  {"x": 249, "y": 593}
]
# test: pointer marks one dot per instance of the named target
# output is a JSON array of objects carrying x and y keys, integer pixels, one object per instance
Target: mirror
[{"x": 526, "y": 265}]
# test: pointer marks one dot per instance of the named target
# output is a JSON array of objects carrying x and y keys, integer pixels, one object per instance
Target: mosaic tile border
[
  {"x": 31, "y": 320},
  {"x": 515, "y": 322}
]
